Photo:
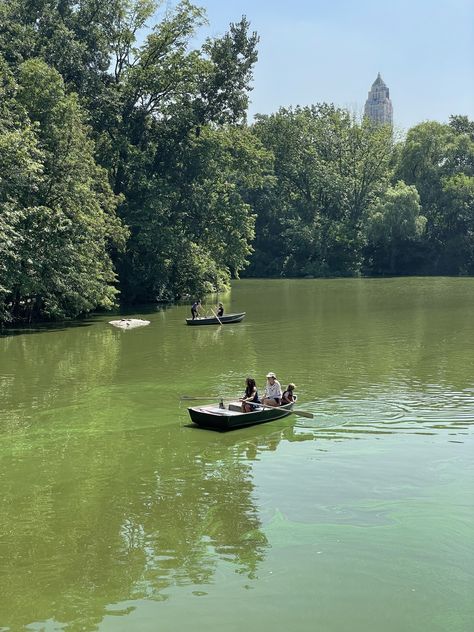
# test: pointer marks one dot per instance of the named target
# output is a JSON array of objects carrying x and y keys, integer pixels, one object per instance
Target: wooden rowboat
[
  {"x": 229, "y": 417},
  {"x": 213, "y": 320}
]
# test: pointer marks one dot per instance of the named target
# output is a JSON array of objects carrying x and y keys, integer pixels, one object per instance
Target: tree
[
  {"x": 392, "y": 223},
  {"x": 328, "y": 170},
  {"x": 155, "y": 108},
  {"x": 65, "y": 228},
  {"x": 434, "y": 158}
]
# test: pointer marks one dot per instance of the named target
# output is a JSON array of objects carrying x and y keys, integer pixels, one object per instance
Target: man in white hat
[{"x": 272, "y": 396}]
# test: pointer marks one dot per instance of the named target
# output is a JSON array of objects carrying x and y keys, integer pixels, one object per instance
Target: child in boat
[
  {"x": 220, "y": 310},
  {"x": 251, "y": 400},
  {"x": 288, "y": 396}
]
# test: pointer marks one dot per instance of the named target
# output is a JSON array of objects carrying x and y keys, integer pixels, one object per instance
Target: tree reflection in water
[{"x": 98, "y": 528}]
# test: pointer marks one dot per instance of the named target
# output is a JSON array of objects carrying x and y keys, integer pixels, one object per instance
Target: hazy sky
[{"x": 331, "y": 50}]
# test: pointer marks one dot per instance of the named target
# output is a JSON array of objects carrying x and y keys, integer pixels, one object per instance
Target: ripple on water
[{"x": 427, "y": 412}]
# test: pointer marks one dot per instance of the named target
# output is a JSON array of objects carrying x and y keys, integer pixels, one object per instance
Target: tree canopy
[{"x": 128, "y": 170}]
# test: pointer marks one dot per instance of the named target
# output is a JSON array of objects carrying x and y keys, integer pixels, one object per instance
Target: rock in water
[{"x": 129, "y": 323}]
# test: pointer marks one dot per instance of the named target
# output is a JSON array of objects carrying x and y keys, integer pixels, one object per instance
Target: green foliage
[
  {"x": 57, "y": 212},
  {"x": 439, "y": 160},
  {"x": 156, "y": 111},
  {"x": 329, "y": 168},
  {"x": 393, "y": 221},
  {"x": 103, "y": 113},
  {"x": 191, "y": 225}
]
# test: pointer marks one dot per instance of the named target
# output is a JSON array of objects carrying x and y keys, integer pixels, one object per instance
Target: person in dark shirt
[
  {"x": 220, "y": 310},
  {"x": 195, "y": 307},
  {"x": 288, "y": 396},
  {"x": 250, "y": 400}
]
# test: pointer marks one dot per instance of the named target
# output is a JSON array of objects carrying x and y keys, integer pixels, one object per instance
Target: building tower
[{"x": 378, "y": 107}]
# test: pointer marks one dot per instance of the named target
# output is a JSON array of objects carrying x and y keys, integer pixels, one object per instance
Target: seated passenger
[
  {"x": 250, "y": 400},
  {"x": 220, "y": 310},
  {"x": 288, "y": 396},
  {"x": 272, "y": 395}
]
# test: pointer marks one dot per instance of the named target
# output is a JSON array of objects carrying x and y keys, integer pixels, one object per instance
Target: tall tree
[
  {"x": 393, "y": 223},
  {"x": 328, "y": 170},
  {"x": 65, "y": 227},
  {"x": 439, "y": 160}
]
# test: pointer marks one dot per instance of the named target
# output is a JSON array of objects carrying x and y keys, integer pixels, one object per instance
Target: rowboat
[
  {"x": 213, "y": 320},
  {"x": 221, "y": 417}
]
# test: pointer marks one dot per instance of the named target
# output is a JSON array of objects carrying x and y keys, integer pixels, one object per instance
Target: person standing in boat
[
  {"x": 288, "y": 396},
  {"x": 250, "y": 400},
  {"x": 195, "y": 307},
  {"x": 272, "y": 395},
  {"x": 220, "y": 310}
]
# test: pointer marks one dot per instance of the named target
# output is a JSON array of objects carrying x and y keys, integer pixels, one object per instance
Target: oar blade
[{"x": 303, "y": 413}]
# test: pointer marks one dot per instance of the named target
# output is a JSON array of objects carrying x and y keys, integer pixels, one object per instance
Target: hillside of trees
[{"x": 129, "y": 173}]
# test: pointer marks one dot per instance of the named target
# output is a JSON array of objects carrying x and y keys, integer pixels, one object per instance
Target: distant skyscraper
[{"x": 378, "y": 107}]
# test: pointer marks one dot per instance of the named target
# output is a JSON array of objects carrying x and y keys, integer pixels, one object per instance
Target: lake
[{"x": 117, "y": 515}]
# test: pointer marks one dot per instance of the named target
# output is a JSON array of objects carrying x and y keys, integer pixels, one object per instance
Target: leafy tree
[
  {"x": 191, "y": 224},
  {"x": 328, "y": 170},
  {"x": 439, "y": 160},
  {"x": 63, "y": 228},
  {"x": 20, "y": 175},
  {"x": 154, "y": 108},
  {"x": 392, "y": 223}
]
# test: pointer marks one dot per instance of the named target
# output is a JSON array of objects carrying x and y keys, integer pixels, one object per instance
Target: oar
[
  {"x": 301, "y": 413},
  {"x": 189, "y": 397},
  {"x": 220, "y": 323}
]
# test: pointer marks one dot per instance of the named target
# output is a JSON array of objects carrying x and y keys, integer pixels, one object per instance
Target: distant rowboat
[{"x": 213, "y": 320}]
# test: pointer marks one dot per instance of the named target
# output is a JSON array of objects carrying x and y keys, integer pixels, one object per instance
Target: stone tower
[{"x": 378, "y": 107}]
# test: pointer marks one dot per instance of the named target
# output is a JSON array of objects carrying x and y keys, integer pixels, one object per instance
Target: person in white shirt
[{"x": 272, "y": 394}]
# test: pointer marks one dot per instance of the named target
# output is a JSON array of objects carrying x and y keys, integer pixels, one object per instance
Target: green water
[{"x": 115, "y": 514}]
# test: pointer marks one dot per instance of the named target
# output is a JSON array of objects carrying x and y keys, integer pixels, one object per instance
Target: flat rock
[{"x": 129, "y": 323}]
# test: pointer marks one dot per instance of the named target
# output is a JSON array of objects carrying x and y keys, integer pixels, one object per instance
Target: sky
[{"x": 314, "y": 51}]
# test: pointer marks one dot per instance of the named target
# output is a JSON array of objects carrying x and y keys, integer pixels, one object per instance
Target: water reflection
[
  {"x": 81, "y": 532},
  {"x": 108, "y": 496}
]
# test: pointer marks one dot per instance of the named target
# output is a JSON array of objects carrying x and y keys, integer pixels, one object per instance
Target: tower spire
[{"x": 378, "y": 107}]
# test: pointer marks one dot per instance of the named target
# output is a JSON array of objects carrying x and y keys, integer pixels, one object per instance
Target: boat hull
[
  {"x": 225, "y": 320},
  {"x": 215, "y": 418}
]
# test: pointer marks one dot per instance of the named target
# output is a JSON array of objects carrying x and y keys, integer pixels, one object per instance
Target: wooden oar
[
  {"x": 301, "y": 413},
  {"x": 220, "y": 323},
  {"x": 188, "y": 397}
]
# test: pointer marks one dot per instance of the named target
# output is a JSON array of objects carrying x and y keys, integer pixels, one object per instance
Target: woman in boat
[
  {"x": 272, "y": 395},
  {"x": 220, "y": 310},
  {"x": 195, "y": 307},
  {"x": 250, "y": 400},
  {"x": 288, "y": 396}
]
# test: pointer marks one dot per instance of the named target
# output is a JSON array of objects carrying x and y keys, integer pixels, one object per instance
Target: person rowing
[{"x": 195, "y": 307}]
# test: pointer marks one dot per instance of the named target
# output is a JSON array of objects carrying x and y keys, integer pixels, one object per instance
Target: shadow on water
[
  {"x": 41, "y": 328},
  {"x": 87, "y": 321}
]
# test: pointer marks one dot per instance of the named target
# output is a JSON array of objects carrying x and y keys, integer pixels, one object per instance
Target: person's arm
[
  {"x": 252, "y": 395},
  {"x": 278, "y": 389}
]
